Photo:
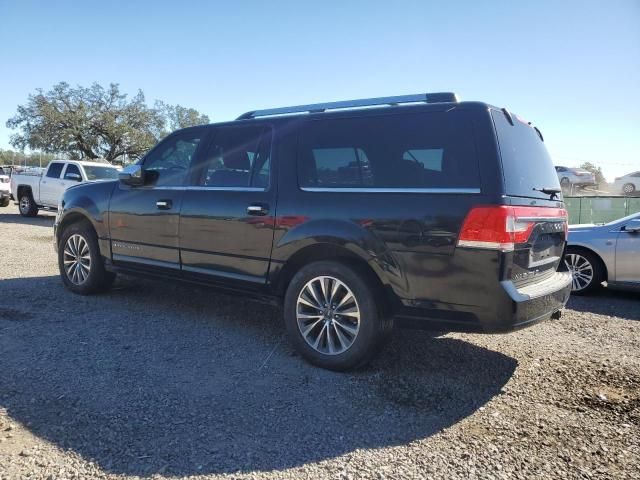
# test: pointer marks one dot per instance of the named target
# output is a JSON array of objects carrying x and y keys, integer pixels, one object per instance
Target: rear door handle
[
  {"x": 258, "y": 209},
  {"x": 164, "y": 204}
]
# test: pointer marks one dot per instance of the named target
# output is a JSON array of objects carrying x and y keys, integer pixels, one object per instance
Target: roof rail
[{"x": 364, "y": 102}]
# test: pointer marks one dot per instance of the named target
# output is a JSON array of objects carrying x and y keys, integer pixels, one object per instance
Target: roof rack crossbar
[{"x": 364, "y": 102}]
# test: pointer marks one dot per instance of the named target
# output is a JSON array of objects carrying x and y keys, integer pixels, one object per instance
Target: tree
[
  {"x": 597, "y": 171},
  {"x": 94, "y": 122},
  {"x": 181, "y": 117},
  {"x": 34, "y": 159}
]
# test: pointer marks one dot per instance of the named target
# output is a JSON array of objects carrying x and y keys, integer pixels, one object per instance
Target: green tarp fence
[{"x": 600, "y": 209}]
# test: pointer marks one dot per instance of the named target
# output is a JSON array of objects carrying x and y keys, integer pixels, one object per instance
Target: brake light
[{"x": 501, "y": 227}]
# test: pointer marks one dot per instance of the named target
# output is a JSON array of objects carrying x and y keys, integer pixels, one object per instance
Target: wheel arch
[
  {"x": 336, "y": 252},
  {"x": 23, "y": 189},
  {"x": 71, "y": 218}
]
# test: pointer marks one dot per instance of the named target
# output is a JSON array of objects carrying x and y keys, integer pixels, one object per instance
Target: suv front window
[{"x": 169, "y": 162}]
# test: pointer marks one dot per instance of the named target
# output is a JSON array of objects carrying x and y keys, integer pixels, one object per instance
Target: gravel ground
[{"x": 162, "y": 381}]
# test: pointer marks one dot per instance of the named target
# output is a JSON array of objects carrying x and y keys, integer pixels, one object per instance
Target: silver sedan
[{"x": 604, "y": 253}]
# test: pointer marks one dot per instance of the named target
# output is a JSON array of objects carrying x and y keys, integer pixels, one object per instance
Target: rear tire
[
  {"x": 342, "y": 319},
  {"x": 27, "y": 205},
  {"x": 587, "y": 271},
  {"x": 79, "y": 261},
  {"x": 628, "y": 188}
]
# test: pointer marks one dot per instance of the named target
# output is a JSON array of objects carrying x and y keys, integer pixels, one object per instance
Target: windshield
[
  {"x": 624, "y": 219},
  {"x": 101, "y": 173},
  {"x": 526, "y": 164}
]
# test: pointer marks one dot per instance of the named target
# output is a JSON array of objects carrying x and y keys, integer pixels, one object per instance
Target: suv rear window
[
  {"x": 526, "y": 164},
  {"x": 409, "y": 150}
]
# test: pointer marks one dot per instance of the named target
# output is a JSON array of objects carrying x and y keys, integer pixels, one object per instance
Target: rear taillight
[{"x": 501, "y": 227}]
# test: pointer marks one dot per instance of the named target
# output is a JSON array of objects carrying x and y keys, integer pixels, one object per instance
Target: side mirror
[
  {"x": 632, "y": 227},
  {"x": 132, "y": 175},
  {"x": 73, "y": 176}
]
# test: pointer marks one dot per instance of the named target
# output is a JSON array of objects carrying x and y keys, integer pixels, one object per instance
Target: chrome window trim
[
  {"x": 392, "y": 190},
  {"x": 197, "y": 187}
]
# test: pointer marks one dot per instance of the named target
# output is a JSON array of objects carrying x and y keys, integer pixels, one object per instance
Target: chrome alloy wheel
[
  {"x": 77, "y": 260},
  {"x": 328, "y": 315},
  {"x": 581, "y": 271},
  {"x": 25, "y": 204}
]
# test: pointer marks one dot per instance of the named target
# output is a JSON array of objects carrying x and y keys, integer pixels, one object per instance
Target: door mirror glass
[{"x": 132, "y": 175}]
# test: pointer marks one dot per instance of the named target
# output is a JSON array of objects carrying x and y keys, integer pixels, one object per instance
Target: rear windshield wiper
[{"x": 549, "y": 191}]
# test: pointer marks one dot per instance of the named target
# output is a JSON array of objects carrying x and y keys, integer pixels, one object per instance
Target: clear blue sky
[{"x": 570, "y": 67}]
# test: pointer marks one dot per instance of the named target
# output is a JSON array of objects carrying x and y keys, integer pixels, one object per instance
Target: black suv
[{"x": 351, "y": 215}]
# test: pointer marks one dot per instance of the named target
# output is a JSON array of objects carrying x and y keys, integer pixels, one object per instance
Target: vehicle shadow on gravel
[
  {"x": 156, "y": 379},
  {"x": 45, "y": 220},
  {"x": 608, "y": 301}
]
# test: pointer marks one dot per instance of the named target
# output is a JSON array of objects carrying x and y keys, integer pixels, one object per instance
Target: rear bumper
[
  {"x": 508, "y": 309},
  {"x": 531, "y": 304}
]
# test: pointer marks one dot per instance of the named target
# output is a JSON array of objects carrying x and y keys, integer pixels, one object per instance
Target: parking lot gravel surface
[{"x": 155, "y": 380}]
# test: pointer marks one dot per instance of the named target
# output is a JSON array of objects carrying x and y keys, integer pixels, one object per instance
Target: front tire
[
  {"x": 332, "y": 316},
  {"x": 4, "y": 203},
  {"x": 27, "y": 205},
  {"x": 80, "y": 263},
  {"x": 586, "y": 269}
]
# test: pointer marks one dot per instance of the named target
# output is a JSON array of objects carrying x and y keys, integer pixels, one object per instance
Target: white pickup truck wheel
[{"x": 27, "y": 206}]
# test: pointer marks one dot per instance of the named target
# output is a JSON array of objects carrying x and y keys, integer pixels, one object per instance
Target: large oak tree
[{"x": 95, "y": 122}]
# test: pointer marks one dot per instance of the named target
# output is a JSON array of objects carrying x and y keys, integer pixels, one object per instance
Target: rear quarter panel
[
  {"x": 31, "y": 181},
  {"x": 599, "y": 240}
]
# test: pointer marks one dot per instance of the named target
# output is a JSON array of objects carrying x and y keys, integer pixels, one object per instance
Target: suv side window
[
  {"x": 55, "y": 169},
  {"x": 397, "y": 151},
  {"x": 238, "y": 156},
  {"x": 71, "y": 168},
  {"x": 169, "y": 162},
  {"x": 345, "y": 167}
]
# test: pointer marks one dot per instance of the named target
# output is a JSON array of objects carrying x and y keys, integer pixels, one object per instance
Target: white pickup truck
[{"x": 33, "y": 191}]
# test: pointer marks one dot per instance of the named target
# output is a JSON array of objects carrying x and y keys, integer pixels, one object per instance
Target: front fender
[{"x": 87, "y": 201}]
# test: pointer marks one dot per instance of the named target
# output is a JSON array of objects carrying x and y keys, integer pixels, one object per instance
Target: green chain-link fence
[{"x": 600, "y": 209}]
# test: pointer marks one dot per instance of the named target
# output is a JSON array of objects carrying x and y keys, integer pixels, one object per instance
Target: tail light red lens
[{"x": 501, "y": 227}]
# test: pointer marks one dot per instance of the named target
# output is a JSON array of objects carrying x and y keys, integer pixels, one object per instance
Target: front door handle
[
  {"x": 258, "y": 209},
  {"x": 164, "y": 204}
]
